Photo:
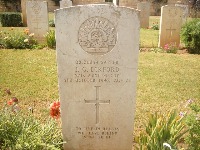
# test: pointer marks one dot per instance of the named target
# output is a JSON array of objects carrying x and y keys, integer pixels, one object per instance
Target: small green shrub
[
  {"x": 17, "y": 40},
  {"x": 161, "y": 129},
  {"x": 21, "y": 131},
  {"x": 190, "y": 35},
  {"x": 11, "y": 19},
  {"x": 50, "y": 39},
  {"x": 155, "y": 26},
  {"x": 51, "y": 23},
  {"x": 193, "y": 122}
]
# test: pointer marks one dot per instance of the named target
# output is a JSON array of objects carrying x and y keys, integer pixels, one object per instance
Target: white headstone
[
  {"x": 170, "y": 26},
  {"x": 65, "y": 3},
  {"x": 115, "y": 2},
  {"x": 144, "y": 8},
  {"x": 97, "y": 55},
  {"x": 37, "y": 19}
]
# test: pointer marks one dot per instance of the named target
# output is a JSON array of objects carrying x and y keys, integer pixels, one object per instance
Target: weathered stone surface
[
  {"x": 144, "y": 8},
  {"x": 65, "y": 3},
  {"x": 37, "y": 19},
  {"x": 170, "y": 26},
  {"x": 185, "y": 11},
  {"x": 84, "y": 2},
  {"x": 97, "y": 54},
  {"x": 128, "y": 3}
]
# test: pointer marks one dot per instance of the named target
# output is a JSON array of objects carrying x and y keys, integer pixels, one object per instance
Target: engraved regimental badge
[
  {"x": 97, "y": 36},
  {"x": 36, "y": 8}
]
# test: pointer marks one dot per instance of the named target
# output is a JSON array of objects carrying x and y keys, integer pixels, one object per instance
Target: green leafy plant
[
  {"x": 190, "y": 35},
  {"x": 161, "y": 130},
  {"x": 193, "y": 122},
  {"x": 22, "y": 131},
  {"x": 11, "y": 19},
  {"x": 10, "y": 1},
  {"x": 17, "y": 40},
  {"x": 155, "y": 26},
  {"x": 51, "y": 23},
  {"x": 50, "y": 39}
]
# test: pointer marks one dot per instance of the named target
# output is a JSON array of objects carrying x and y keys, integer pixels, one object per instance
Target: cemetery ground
[{"x": 165, "y": 80}]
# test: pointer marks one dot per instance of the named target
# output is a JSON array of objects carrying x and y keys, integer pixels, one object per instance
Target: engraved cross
[
  {"x": 171, "y": 31},
  {"x": 97, "y": 103}
]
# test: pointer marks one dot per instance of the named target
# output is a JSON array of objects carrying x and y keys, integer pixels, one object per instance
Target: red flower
[
  {"x": 55, "y": 110},
  {"x": 10, "y": 102}
]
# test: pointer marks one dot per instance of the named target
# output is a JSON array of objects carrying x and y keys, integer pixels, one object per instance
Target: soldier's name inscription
[{"x": 97, "y": 71}]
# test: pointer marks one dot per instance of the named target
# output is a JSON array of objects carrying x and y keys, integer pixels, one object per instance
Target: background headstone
[
  {"x": 97, "y": 52},
  {"x": 84, "y": 2},
  {"x": 37, "y": 19},
  {"x": 171, "y": 2},
  {"x": 65, "y": 3},
  {"x": 115, "y": 2},
  {"x": 24, "y": 17},
  {"x": 128, "y": 3},
  {"x": 144, "y": 8},
  {"x": 185, "y": 11},
  {"x": 170, "y": 26}
]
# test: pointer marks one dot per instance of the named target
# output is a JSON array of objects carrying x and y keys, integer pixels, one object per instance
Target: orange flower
[
  {"x": 10, "y": 102},
  {"x": 26, "y": 31},
  {"x": 55, "y": 110}
]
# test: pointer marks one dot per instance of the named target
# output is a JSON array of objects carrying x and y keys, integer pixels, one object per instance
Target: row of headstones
[
  {"x": 97, "y": 50},
  {"x": 144, "y": 8},
  {"x": 170, "y": 23}
]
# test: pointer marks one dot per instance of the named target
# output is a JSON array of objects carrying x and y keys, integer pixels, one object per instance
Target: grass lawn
[
  {"x": 148, "y": 38},
  {"x": 165, "y": 80}
]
